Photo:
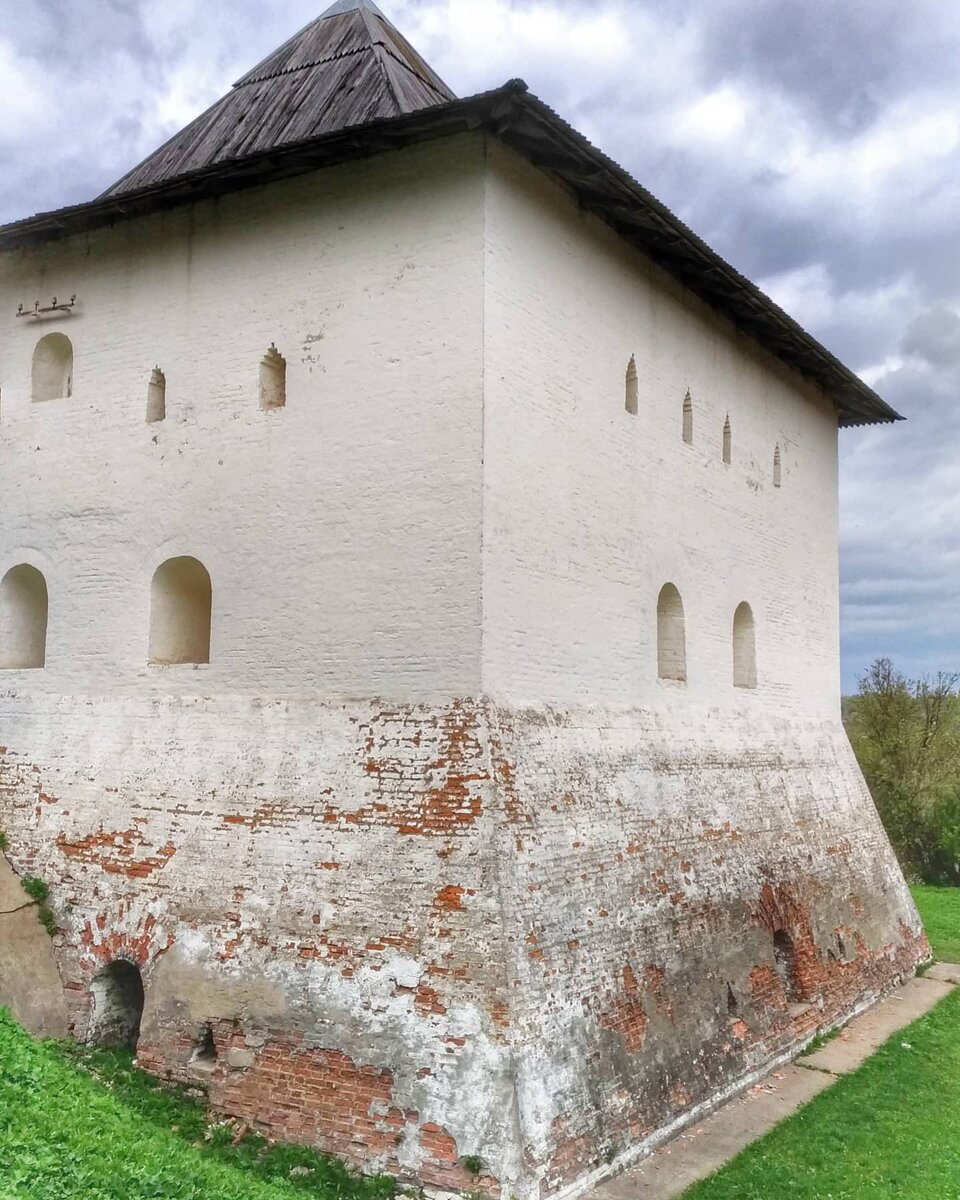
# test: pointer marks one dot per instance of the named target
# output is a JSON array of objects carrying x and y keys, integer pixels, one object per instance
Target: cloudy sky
[{"x": 814, "y": 143}]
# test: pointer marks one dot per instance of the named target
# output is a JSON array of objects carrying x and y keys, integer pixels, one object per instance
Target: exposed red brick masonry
[{"x": 448, "y": 932}]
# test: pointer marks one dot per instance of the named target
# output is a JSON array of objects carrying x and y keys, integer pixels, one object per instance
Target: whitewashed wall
[
  {"x": 588, "y": 510},
  {"x": 341, "y": 533}
]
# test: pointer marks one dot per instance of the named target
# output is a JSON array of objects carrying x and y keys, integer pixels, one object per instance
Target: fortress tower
[{"x": 419, "y": 631}]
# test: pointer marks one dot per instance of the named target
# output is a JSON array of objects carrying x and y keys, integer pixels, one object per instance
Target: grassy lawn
[
  {"x": 940, "y": 909},
  {"x": 78, "y": 1124},
  {"x": 889, "y": 1130}
]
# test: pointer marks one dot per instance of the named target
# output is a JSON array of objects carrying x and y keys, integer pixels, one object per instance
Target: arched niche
[
  {"x": 23, "y": 619},
  {"x": 687, "y": 429},
  {"x": 156, "y": 396},
  {"x": 273, "y": 380},
  {"x": 744, "y": 647},
  {"x": 181, "y": 600},
  {"x": 632, "y": 400},
  {"x": 671, "y": 635},
  {"x": 52, "y": 376}
]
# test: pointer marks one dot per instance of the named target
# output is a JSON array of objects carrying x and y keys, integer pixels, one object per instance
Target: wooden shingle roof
[{"x": 347, "y": 68}]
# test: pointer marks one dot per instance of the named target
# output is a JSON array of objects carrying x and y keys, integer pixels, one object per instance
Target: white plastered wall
[
  {"x": 341, "y": 532},
  {"x": 588, "y": 510}
]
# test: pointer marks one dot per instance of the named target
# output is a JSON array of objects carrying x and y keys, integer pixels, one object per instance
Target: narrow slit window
[
  {"x": 688, "y": 419},
  {"x": 273, "y": 380},
  {"x": 744, "y": 648},
  {"x": 727, "y": 442},
  {"x": 671, "y": 635},
  {"x": 777, "y": 476},
  {"x": 181, "y": 599},
  {"x": 52, "y": 376},
  {"x": 23, "y": 619},
  {"x": 156, "y": 396},
  {"x": 632, "y": 388}
]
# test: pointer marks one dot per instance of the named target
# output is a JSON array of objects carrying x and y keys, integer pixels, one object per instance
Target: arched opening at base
[
  {"x": 785, "y": 959},
  {"x": 117, "y": 993},
  {"x": 205, "y": 1052}
]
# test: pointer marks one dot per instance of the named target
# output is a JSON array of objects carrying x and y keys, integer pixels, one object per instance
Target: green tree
[{"x": 906, "y": 735}]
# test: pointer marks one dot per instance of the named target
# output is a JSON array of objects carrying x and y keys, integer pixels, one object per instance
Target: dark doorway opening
[
  {"x": 785, "y": 958},
  {"x": 205, "y": 1054},
  {"x": 117, "y": 993}
]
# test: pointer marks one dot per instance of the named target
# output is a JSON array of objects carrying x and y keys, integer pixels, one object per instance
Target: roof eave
[
  {"x": 531, "y": 128},
  {"x": 643, "y": 220},
  {"x": 296, "y": 158}
]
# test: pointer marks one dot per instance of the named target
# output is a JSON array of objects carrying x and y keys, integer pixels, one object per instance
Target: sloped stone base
[{"x": 409, "y": 934}]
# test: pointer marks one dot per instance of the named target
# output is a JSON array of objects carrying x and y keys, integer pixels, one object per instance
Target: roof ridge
[
  {"x": 378, "y": 46},
  {"x": 407, "y": 67}
]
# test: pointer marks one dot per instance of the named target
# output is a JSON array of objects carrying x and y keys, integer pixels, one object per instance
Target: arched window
[
  {"x": 633, "y": 388},
  {"x": 671, "y": 635},
  {"x": 688, "y": 419},
  {"x": 53, "y": 368},
  {"x": 23, "y": 618},
  {"x": 744, "y": 648},
  {"x": 156, "y": 396},
  {"x": 117, "y": 1008},
  {"x": 273, "y": 380},
  {"x": 727, "y": 442},
  {"x": 181, "y": 598},
  {"x": 776, "y": 466}
]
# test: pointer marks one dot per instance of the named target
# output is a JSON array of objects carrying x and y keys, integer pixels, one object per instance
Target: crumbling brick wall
[
  {"x": 654, "y": 864},
  {"x": 535, "y": 937}
]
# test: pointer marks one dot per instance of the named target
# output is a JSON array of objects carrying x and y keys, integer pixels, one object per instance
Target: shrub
[
  {"x": 47, "y": 920},
  {"x": 36, "y": 889}
]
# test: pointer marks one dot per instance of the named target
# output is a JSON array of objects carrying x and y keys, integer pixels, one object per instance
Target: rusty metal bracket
[{"x": 57, "y": 306}]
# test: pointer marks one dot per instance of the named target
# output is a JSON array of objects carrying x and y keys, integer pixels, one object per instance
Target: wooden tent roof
[
  {"x": 349, "y": 86},
  {"x": 347, "y": 68}
]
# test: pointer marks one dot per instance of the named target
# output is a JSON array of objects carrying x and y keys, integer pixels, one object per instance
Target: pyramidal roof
[
  {"x": 349, "y": 67},
  {"x": 348, "y": 86}
]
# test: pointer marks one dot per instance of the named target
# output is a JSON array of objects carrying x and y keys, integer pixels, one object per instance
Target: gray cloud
[
  {"x": 842, "y": 62},
  {"x": 815, "y": 144}
]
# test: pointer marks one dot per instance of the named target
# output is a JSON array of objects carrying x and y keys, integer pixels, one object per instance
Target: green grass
[
  {"x": 81, "y": 1124},
  {"x": 940, "y": 909},
  {"x": 889, "y": 1130}
]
